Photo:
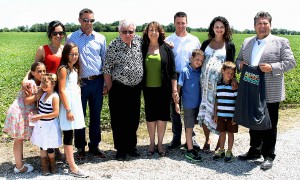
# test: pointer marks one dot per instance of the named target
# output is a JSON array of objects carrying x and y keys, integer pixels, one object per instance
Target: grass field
[{"x": 17, "y": 52}]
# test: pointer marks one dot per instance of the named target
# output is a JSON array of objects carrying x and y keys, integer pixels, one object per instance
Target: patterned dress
[
  {"x": 17, "y": 117},
  {"x": 210, "y": 76}
]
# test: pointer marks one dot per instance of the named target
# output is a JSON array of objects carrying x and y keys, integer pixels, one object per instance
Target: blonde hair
[
  {"x": 228, "y": 65},
  {"x": 52, "y": 77},
  {"x": 197, "y": 52}
]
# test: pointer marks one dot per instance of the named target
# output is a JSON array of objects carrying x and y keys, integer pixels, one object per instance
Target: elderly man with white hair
[{"x": 123, "y": 73}]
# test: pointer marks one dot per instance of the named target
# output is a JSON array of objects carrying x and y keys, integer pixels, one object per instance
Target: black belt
[{"x": 92, "y": 77}]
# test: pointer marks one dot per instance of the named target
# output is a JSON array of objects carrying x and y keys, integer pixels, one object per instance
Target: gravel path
[{"x": 174, "y": 166}]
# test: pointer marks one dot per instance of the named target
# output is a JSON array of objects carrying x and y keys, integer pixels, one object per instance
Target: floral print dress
[{"x": 210, "y": 76}]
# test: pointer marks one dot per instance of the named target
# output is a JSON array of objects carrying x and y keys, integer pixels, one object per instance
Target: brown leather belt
[{"x": 92, "y": 77}]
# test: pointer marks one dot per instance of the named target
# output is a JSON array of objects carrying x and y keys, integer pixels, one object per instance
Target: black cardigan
[
  {"x": 230, "y": 49},
  {"x": 168, "y": 71}
]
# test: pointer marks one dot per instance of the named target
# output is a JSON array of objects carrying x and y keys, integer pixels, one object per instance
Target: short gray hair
[
  {"x": 262, "y": 14},
  {"x": 125, "y": 23}
]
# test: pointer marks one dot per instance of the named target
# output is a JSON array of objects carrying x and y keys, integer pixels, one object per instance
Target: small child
[
  {"x": 71, "y": 114},
  {"x": 189, "y": 82},
  {"x": 46, "y": 132},
  {"x": 17, "y": 119},
  {"x": 224, "y": 111}
]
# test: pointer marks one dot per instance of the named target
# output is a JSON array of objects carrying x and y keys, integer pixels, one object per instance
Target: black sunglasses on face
[
  {"x": 56, "y": 33},
  {"x": 127, "y": 32},
  {"x": 88, "y": 20}
]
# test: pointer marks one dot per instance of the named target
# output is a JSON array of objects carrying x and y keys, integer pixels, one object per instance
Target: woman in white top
[{"x": 217, "y": 49}]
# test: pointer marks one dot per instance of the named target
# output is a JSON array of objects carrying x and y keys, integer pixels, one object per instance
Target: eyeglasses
[
  {"x": 56, "y": 33},
  {"x": 86, "y": 20},
  {"x": 74, "y": 54},
  {"x": 127, "y": 32}
]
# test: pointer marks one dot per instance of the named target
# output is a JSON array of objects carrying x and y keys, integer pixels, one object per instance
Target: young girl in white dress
[
  {"x": 46, "y": 132},
  {"x": 17, "y": 118},
  {"x": 71, "y": 114}
]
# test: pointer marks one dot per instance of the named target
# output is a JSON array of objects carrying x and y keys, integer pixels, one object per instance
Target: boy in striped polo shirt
[{"x": 224, "y": 111}]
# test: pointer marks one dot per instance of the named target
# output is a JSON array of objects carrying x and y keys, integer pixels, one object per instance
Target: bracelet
[{"x": 68, "y": 110}]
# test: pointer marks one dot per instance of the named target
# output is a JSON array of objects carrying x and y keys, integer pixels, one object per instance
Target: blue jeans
[{"x": 91, "y": 93}]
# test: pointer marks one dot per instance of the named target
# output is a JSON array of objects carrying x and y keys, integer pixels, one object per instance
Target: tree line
[{"x": 113, "y": 27}]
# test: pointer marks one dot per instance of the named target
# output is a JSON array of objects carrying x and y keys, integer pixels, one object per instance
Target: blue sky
[{"x": 240, "y": 13}]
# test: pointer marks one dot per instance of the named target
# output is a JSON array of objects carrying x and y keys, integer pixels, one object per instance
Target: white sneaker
[{"x": 26, "y": 168}]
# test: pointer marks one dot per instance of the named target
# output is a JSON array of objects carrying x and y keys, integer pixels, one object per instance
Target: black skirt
[{"x": 157, "y": 104}]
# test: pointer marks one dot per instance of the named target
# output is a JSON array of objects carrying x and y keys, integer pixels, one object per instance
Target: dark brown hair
[
  {"x": 160, "y": 29},
  {"x": 227, "y": 34},
  {"x": 65, "y": 59}
]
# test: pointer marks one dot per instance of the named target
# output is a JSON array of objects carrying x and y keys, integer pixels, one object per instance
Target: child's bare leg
[
  {"x": 18, "y": 153},
  {"x": 188, "y": 135},
  {"x": 222, "y": 139},
  {"x": 230, "y": 140},
  {"x": 68, "y": 149}
]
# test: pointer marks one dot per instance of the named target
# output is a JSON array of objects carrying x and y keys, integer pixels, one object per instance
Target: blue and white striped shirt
[
  {"x": 225, "y": 100},
  {"x": 92, "y": 49}
]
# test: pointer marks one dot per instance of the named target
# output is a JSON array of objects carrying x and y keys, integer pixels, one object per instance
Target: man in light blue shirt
[{"x": 92, "y": 48}]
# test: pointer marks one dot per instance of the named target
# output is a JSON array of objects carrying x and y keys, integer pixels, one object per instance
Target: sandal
[
  {"x": 150, "y": 153},
  {"x": 161, "y": 153},
  {"x": 206, "y": 147},
  {"x": 24, "y": 169},
  {"x": 78, "y": 174}
]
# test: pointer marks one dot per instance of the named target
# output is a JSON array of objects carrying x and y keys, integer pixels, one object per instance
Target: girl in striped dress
[{"x": 46, "y": 132}]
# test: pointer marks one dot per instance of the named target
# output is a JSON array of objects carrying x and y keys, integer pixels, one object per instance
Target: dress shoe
[
  {"x": 267, "y": 164},
  {"x": 120, "y": 156},
  {"x": 249, "y": 156},
  {"x": 133, "y": 153},
  {"x": 97, "y": 152},
  {"x": 174, "y": 144},
  {"x": 80, "y": 153}
]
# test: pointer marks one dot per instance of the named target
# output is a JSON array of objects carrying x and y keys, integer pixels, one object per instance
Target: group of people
[{"x": 168, "y": 70}]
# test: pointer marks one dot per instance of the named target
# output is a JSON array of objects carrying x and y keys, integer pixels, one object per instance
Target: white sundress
[
  {"x": 46, "y": 133},
  {"x": 74, "y": 100},
  {"x": 210, "y": 75}
]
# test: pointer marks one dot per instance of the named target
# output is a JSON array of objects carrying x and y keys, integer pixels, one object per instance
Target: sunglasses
[
  {"x": 86, "y": 20},
  {"x": 56, "y": 33},
  {"x": 127, "y": 32}
]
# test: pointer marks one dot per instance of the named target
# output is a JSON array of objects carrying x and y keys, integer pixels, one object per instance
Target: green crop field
[{"x": 17, "y": 52}]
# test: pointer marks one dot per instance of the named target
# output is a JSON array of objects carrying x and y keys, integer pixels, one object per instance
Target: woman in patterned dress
[{"x": 218, "y": 48}]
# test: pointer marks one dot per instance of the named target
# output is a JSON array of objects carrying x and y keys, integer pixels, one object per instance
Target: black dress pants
[
  {"x": 124, "y": 106},
  {"x": 263, "y": 141}
]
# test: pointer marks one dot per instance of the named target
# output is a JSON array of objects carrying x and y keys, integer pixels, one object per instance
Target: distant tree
[{"x": 71, "y": 27}]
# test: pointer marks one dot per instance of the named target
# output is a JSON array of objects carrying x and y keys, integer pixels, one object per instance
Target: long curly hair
[
  {"x": 227, "y": 34},
  {"x": 160, "y": 29}
]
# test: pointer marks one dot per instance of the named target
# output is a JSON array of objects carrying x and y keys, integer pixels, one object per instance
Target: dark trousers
[
  {"x": 124, "y": 106},
  {"x": 263, "y": 141},
  {"x": 176, "y": 120},
  {"x": 91, "y": 93}
]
